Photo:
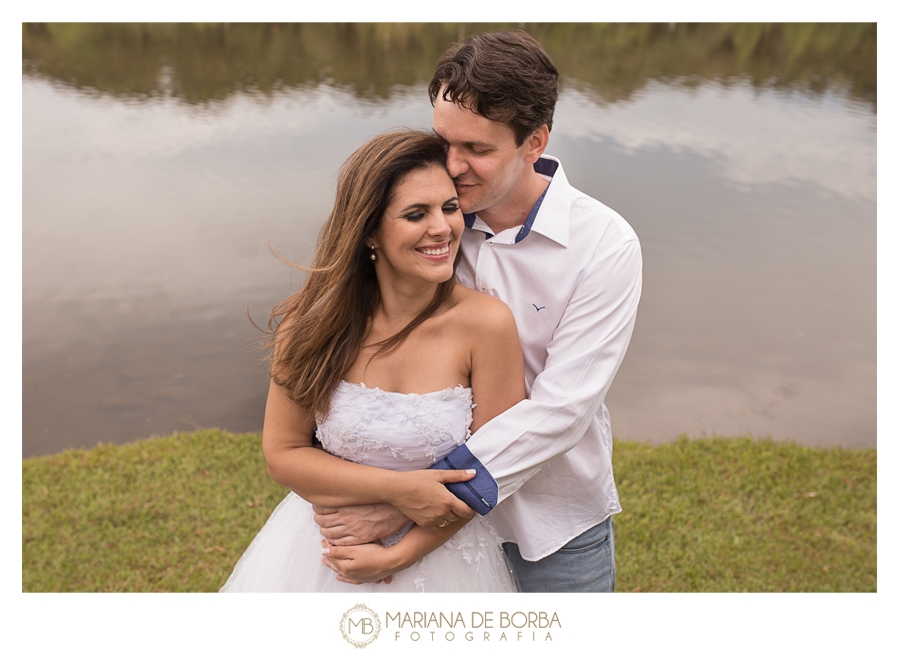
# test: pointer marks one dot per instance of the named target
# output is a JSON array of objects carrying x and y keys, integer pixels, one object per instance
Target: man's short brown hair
[{"x": 503, "y": 76}]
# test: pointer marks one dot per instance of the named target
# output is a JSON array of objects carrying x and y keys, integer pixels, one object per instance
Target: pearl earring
[{"x": 372, "y": 255}]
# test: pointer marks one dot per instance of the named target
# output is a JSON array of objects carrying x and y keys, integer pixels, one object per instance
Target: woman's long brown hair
[{"x": 323, "y": 326}]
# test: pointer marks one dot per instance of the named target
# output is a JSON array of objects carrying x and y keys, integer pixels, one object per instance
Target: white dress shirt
[{"x": 572, "y": 277}]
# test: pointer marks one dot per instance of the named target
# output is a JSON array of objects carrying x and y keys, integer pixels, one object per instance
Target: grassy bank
[{"x": 713, "y": 515}]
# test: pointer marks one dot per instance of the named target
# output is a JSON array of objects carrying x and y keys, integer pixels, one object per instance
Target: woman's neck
[{"x": 400, "y": 306}]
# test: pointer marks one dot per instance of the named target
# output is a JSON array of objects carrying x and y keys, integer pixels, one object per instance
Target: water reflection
[
  {"x": 756, "y": 213},
  {"x": 200, "y": 63},
  {"x": 147, "y": 204}
]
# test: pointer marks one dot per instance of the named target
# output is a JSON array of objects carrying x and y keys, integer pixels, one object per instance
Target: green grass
[
  {"x": 170, "y": 514},
  {"x": 712, "y": 515},
  {"x": 738, "y": 515}
]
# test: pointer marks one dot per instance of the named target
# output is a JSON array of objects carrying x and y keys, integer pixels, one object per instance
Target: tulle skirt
[{"x": 286, "y": 556}]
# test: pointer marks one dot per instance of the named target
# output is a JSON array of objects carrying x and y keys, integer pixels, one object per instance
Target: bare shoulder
[{"x": 477, "y": 311}]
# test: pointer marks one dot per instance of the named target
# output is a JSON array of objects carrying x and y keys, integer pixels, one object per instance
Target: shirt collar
[{"x": 550, "y": 214}]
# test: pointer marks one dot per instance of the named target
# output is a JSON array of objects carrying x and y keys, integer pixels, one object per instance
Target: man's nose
[{"x": 456, "y": 163}]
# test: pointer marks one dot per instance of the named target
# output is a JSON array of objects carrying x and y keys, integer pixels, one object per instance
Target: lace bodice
[{"x": 399, "y": 431}]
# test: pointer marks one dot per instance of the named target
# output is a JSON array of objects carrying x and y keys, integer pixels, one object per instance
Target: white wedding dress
[{"x": 397, "y": 431}]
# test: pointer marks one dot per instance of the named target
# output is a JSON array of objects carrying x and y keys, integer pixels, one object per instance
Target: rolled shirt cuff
[{"x": 481, "y": 492}]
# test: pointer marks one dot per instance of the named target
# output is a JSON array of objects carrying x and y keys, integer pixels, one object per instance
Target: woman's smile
[{"x": 437, "y": 252}]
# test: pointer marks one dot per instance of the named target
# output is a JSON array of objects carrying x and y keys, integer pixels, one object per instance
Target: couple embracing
[{"x": 438, "y": 383}]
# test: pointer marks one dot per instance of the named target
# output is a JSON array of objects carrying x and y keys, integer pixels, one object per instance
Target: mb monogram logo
[{"x": 360, "y": 626}]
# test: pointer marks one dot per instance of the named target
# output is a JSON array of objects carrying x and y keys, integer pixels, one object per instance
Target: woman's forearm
[
  {"x": 365, "y": 563},
  {"x": 324, "y": 479},
  {"x": 422, "y": 540}
]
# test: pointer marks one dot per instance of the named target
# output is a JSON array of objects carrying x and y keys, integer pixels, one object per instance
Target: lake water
[{"x": 146, "y": 215}]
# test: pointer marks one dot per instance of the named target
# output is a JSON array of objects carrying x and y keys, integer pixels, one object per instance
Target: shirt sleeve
[{"x": 583, "y": 357}]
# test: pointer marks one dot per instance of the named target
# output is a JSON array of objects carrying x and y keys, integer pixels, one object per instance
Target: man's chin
[
  {"x": 468, "y": 207},
  {"x": 467, "y": 202}
]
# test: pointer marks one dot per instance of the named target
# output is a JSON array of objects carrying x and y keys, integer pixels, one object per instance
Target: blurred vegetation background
[{"x": 200, "y": 63}]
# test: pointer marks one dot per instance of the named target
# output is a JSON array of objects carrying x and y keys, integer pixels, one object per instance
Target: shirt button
[{"x": 483, "y": 289}]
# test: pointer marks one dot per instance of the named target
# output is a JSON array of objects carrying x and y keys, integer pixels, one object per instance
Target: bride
[{"x": 390, "y": 364}]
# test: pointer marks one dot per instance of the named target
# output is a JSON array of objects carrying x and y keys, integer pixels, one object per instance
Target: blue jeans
[{"x": 585, "y": 564}]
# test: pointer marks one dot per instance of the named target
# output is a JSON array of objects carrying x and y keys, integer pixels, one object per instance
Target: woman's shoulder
[{"x": 478, "y": 310}]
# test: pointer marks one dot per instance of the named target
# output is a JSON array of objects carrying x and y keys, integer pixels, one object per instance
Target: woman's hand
[
  {"x": 423, "y": 497},
  {"x": 363, "y": 563}
]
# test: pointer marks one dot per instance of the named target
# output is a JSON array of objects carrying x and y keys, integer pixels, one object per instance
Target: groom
[{"x": 570, "y": 270}]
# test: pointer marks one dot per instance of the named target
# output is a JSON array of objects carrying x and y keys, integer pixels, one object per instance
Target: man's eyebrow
[{"x": 484, "y": 145}]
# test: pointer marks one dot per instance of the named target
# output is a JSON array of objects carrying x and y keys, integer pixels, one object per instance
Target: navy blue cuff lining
[{"x": 481, "y": 492}]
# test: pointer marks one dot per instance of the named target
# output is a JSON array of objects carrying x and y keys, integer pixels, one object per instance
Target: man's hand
[{"x": 358, "y": 524}]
